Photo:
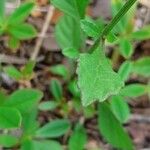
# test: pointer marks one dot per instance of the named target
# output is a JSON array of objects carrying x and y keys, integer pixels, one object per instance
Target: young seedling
[{"x": 14, "y": 26}]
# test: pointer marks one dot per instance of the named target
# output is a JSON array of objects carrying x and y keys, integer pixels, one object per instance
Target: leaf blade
[
  {"x": 9, "y": 118},
  {"x": 96, "y": 79},
  {"x": 112, "y": 130}
]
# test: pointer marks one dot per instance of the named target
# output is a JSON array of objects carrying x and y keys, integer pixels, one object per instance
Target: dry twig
[{"x": 43, "y": 33}]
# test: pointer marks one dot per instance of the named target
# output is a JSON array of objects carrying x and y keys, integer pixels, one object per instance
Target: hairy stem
[{"x": 112, "y": 23}]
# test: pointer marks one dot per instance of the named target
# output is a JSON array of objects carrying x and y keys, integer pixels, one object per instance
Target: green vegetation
[{"x": 99, "y": 86}]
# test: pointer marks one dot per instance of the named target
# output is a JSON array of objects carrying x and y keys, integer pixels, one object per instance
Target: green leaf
[
  {"x": 90, "y": 27},
  {"x": 9, "y": 118},
  {"x": 60, "y": 70},
  {"x": 3, "y": 97},
  {"x": 20, "y": 14},
  {"x": 53, "y": 129},
  {"x": 71, "y": 53},
  {"x": 13, "y": 72},
  {"x": 96, "y": 79},
  {"x": 30, "y": 123},
  {"x": 112, "y": 129},
  {"x": 73, "y": 88},
  {"x": 125, "y": 70},
  {"x": 67, "y": 33},
  {"x": 48, "y": 105},
  {"x": 126, "y": 48},
  {"x": 120, "y": 108},
  {"x": 56, "y": 89},
  {"x": 8, "y": 141},
  {"x": 41, "y": 145},
  {"x": 73, "y": 8},
  {"x": 142, "y": 66},
  {"x": 78, "y": 138},
  {"x": 134, "y": 90},
  {"x": 24, "y": 99},
  {"x": 28, "y": 68},
  {"x": 27, "y": 145},
  {"x": 141, "y": 34},
  {"x": 22, "y": 31},
  {"x": 111, "y": 37},
  {"x": 46, "y": 145}
]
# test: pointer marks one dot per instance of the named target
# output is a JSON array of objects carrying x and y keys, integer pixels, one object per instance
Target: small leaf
[
  {"x": 8, "y": 141},
  {"x": 71, "y": 53},
  {"x": 24, "y": 99},
  {"x": 112, "y": 129},
  {"x": 142, "y": 66},
  {"x": 67, "y": 33},
  {"x": 125, "y": 70},
  {"x": 59, "y": 70},
  {"x": 56, "y": 89},
  {"x": 90, "y": 27},
  {"x": 47, "y": 145},
  {"x": 13, "y": 72},
  {"x": 141, "y": 34},
  {"x": 41, "y": 145},
  {"x": 111, "y": 37},
  {"x": 96, "y": 79},
  {"x": 28, "y": 68},
  {"x": 9, "y": 118},
  {"x": 120, "y": 108},
  {"x": 73, "y": 88},
  {"x": 3, "y": 97},
  {"x": 133, "y": 90},
  {"x": 53, "y": 129},
  {"x": 22, "y": 31},
  {"x": 21, "y": 13},
  {"x": 78, "y": 138},
  {"x": 48, "y": 105},
  {"x": 126, "y": 48}
]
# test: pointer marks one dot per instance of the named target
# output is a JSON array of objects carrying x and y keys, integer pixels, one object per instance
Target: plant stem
[
  {"x": 112, "y": 23},
  {"x": 118, "y": 16}
]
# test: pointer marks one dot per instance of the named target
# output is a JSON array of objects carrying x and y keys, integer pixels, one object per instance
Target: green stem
[{"x": 113, "y": 23}]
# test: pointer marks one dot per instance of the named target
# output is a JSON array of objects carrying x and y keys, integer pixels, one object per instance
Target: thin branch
[{"x": 43, "y": 33}]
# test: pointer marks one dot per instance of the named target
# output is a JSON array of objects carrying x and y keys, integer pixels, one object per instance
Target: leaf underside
[{"x": 96, "y": 79}]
